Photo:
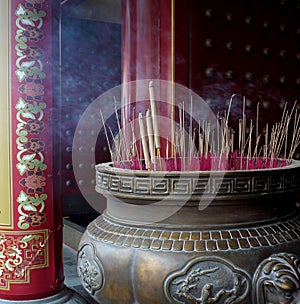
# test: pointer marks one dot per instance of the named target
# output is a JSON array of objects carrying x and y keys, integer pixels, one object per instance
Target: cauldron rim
[{"x": 124, "y": 183}]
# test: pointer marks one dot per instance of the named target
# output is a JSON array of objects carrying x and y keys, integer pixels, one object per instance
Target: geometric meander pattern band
[
  {"x": 244, "y": 184},
  {"x": 206, "y": 240}
]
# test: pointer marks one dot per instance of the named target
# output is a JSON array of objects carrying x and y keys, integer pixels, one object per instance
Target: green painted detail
[
  {"x": 31, "y": 210},
  {"x": 30, "y": 114}
]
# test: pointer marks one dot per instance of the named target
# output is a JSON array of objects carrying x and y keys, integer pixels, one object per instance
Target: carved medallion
[
  {"x": 89, "y": 268},
  {"x": 277, "y": 280},
  {"x": 207, "y": 281}
]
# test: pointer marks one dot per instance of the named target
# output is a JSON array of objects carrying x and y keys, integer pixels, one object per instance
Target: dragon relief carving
[
  {"x": 277, "y": 280},
  {"x": 207, "y": 281}
]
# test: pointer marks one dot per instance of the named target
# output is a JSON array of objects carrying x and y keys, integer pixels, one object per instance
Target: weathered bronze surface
[{"x": 194, "y": 237}]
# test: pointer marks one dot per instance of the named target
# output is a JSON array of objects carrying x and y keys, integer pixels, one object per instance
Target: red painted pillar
[
  {"x": 31, "y": 264},
  {"x": 146, "y": 39},
  {"x": 147, "y": 53}
]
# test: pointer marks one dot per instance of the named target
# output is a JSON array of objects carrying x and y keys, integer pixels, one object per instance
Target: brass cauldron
[{"x": 194, "y": 237}]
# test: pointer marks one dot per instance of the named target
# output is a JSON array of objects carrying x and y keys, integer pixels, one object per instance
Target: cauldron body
[{"x": 194, "y": 237}]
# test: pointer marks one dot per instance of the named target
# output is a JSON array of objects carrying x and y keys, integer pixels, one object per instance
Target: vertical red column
[
  {"x": 27, "y": 244},
  {"x": 147, "y": 52},
  {"x": 146, "y": 40},
  {"x": 30, "y": 220}
]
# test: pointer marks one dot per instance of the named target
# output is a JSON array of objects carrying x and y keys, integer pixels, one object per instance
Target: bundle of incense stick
[{"x": 204, "y": 148}]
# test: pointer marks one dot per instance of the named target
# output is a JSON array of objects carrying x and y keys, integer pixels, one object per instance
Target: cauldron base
[{"x": 120, "y": 263}]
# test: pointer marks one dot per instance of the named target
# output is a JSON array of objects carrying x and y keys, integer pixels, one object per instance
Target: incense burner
[{"x": 194, "y": 237}]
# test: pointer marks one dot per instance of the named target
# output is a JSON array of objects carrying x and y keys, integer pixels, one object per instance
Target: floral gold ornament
[{"x": 14, "y": 252}]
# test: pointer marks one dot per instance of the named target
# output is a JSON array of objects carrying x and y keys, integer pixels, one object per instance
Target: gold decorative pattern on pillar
[
  {"x": 19, "y": 254},
  {"x": 6, "y": 212}
]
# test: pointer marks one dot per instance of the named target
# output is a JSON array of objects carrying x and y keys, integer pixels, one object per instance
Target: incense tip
[
  {"x": 151, "y": 84},
  {"x": 140, "y": 115},
  {"x": 148, "y": 113}
]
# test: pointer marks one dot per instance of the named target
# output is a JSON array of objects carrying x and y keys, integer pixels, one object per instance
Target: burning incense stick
[
  {"x": 155, "y": 120},
  {"x": 144, "y": 141},
  {"x": 229, "y": 107},
  {"x": 106, "y": 135},
  {"x": 257, "y": 120},
  {"x": 296, "y": 135},
  {"x": 117, "y": 154},
  {"x": 121, "y": 132},
  {"x": 191, "y": 141},
  {"x": 150, "y": 136},
  {"x": 266, "y": 142},
  {"x": 244, "y": 123},
  {"x": 135, "y": 151}
]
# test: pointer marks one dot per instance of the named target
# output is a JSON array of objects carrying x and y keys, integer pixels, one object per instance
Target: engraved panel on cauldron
[
  {"x": 160, "y": 186},
  {"x": 181, "y": 186},
  {"x": 89, "y": 269},
  {"x": 103, "y": 180},
  {"x": 207, "y": 280},
  {"x": 222, "y": 186},
  {"x": 276, "y": 182},
  {"x": 288, "y": 181},
  {"x": 126, "y": 185},
  {"x": 297, "y": 181},
  {"x": 277, "y": 280},
  {"x": 114, "y": 183},
  {"x": 142, "y": 186},
  {"x": 242, "y": 184},
  {"x": 200, "y": 185},
  {"x": 260, "y": 183}
]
